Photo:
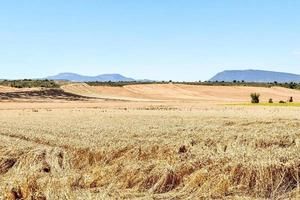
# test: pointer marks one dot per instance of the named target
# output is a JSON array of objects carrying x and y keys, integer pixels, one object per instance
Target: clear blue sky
[{"x": 154, "y": 39}]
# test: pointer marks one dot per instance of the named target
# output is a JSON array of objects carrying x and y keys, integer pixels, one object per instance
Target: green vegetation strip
[
  {"x": 291, "y": 85},
  {"x": 29, "y": 83},
  {"x": 296, "y": 104}
]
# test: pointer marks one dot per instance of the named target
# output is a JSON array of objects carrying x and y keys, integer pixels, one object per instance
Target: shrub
[
  {"x": 282, "y": 101},
  {"x": 255, "y": 97},
  {"x": 291, "y": 100},
  {"x": 270, "y": 100}
]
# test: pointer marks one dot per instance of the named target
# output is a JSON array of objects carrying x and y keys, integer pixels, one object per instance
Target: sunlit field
[
  {"x": 157, "y": 152},
  {"x": 149, "y": 100}
]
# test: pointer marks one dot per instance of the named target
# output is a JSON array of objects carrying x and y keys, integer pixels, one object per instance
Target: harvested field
[
  {"x": 171, "y": 92},
  {"x": 89, "y": 148}
]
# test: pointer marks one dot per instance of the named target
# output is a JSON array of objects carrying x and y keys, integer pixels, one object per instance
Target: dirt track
[{"x": 4, "y": 89}]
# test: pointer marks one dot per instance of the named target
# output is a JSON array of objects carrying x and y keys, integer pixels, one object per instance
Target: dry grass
[{"x": 150, "y": 152}]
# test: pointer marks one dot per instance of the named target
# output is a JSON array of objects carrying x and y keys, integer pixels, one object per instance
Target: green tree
[{"x": 255, "y": 97}]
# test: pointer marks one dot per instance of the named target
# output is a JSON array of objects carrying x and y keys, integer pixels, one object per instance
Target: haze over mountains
[
  {"x": 81, "y": 78},
  {"x": 255, "y": 76},
  {"x": 227, "y": 76}
]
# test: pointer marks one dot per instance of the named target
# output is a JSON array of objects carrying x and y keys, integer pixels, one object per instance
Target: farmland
[{"x": 148, "y": 144}]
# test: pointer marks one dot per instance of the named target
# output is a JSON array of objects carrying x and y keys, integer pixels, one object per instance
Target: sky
[{"x": 183, "y": 40}]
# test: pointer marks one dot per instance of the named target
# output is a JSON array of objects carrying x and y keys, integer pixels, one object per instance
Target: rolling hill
[
  {"x": 181, "y": 92},
  {"x": 255, "y": 76}
]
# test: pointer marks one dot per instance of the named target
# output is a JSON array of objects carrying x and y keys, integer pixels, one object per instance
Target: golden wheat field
[{"x": 108, "y": 149}]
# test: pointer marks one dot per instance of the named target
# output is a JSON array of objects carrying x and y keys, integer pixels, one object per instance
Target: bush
[
  {"x": 282, "y": 101},
  {"x": 291, "y": 100},
  {"x": 255, "y": 97},
  {"x": 270, "y": 100}
]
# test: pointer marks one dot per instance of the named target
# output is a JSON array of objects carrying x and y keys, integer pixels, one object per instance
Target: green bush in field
[
  {"x": 270, "y": 100},
  {"x": 255, "y": 97}
]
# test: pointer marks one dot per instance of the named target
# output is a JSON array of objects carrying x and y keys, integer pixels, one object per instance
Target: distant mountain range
[
  {"x": 81, "y": 78},
  {"x": 255, "y": 76},
  {"x": 226, "y": 76}
]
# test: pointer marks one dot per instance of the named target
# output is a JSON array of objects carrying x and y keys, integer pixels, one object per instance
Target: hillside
[
  {"x": 181, "y": 92},
  {"x": 81, "y": 78},
  {"x": 150, "y": 92},
  {"x": 255, "y": 76}
]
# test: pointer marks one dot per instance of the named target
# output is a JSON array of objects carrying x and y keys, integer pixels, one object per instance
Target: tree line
[{"x": 30, "y": 83}]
